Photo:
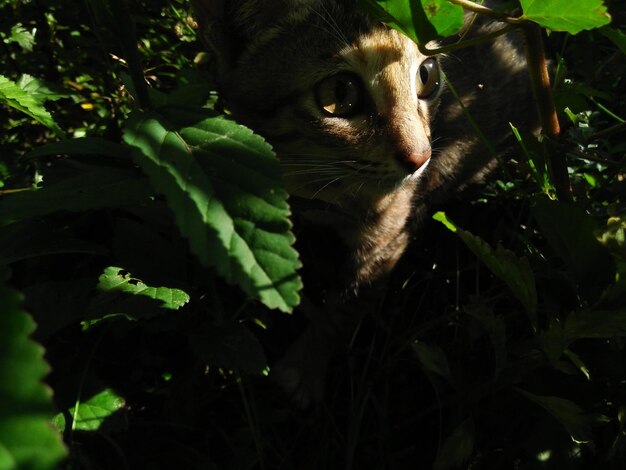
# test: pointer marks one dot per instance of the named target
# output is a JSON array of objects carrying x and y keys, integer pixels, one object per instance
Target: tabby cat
[{"x": 366, "y": 129}]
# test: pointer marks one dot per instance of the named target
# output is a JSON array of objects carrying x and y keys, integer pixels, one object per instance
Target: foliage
[
  {"x": 26, "y": 439},
  {"x": 152, "y": 244}
]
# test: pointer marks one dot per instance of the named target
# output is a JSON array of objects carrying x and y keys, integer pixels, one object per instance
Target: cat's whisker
[
  {"x": 325, "y": 186},
  {"x": 334, "y": 30},
  {"x": 312, "y": 171}
]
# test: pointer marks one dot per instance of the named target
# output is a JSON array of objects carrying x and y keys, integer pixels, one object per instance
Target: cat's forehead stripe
[{"x": 385, "y": 61}]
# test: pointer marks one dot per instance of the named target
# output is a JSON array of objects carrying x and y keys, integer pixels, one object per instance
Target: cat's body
[{"x": 367, "y": 133}]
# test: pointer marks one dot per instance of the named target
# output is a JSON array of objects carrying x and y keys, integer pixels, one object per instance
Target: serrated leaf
[
  {"x": 506, "y": 265},
  {"x": 421, "y": 20},
  {"x": 232, "y": 346},
  {"x": 123, "y": 296},
  {"x": 21, "y": 36},
  {"x": 39, "y": 89},
  {"x": 14, "y": 96},
  {"x": 223, "y": 184},
  {"x": 568, "y": 413},
  {"x": 116, "y": 279},
  {"x": 26, "y": 438},
  {"x": 98, "y": 189},
  {"x": 92, "y": 413},
  {"x": 572, "y": 16}
]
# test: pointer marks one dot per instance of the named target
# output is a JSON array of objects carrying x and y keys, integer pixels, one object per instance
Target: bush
[{"x": 148, "y": 237}]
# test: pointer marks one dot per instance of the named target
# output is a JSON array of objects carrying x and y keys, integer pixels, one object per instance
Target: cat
[{"x": 368, "y": 134}]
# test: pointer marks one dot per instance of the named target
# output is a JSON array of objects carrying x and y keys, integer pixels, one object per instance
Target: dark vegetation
[{"x": 504, "y": 351}]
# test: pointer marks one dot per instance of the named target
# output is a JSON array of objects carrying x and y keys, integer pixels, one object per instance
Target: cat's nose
[{"x": 413, "y": 161}]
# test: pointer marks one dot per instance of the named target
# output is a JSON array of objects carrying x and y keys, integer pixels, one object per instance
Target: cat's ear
[{"x": 227, "y": 27}]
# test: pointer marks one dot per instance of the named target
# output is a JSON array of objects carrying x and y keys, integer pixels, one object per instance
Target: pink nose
[{"x": 413, "y": 161}]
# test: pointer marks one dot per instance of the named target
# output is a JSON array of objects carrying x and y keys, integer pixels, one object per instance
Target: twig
[
  {"x": 466, "y": 42},
  {"x": 486, "y": 11},
  {"x": 542, "y": 93},
  {"x": 616, "y": 129}
]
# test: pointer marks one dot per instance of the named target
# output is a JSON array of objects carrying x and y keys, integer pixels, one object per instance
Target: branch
[
  {"x": 483, "y": 10},
  {"x": 466, "y": 42},
  {"x": 542, "y": 94}
]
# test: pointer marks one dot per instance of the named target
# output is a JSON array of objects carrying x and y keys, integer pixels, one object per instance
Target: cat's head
[{"x": 345, "y": 101}]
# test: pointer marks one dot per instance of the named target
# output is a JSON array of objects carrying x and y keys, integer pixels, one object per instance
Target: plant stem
[
  {"x": 542, "y": 94},
  {"x": 466, "y": 43},
  {"x": 486, "y": 11},
  {"x": 616, "y": 129}
]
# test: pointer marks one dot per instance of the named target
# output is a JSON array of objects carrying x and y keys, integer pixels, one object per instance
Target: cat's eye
[
  {"x": 339, "y": 95},
  {"x": 429, "y": 78}
]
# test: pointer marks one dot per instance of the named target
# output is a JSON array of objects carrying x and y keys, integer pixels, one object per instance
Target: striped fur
[{"x": 371, "y": 170}]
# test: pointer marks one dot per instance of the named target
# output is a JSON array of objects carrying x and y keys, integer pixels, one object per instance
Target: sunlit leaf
[
  {"x": 224, "y": 186},
  {"x": 116, "y": 279},
  {"x": 39, "y": 89},
  {"x": 90, "y": 414},
  {"x": 12, "y": 95},
  {"x": 21, "y": 36},
  {"x": 572, "y": 16},
  {"x": 421, "y": 20},
  {"x": 124, "y": 297},
  {"x": 613, "y": 237}
]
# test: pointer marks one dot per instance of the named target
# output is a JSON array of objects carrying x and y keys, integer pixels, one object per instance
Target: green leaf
[
  {"x": 514, "y": 271},
  {"x": 123, "y": 296},
  {"x": 613, "y": 237},
  {"x": 568, "y": 413},
  {"x": 572, "y": 16},
  {"x": 232, "y": 346},
  {"x": 535, "y": 154},
  {"x": 570, "y": 232},
  {"x": 421, "y": 20},
  {"x": 432, "y": 358},
  {"x": 117, "y": 280},
  {"x": 39, "y": 89},
  {"x": 14, "y": 96},
  {"x": 26, "y": 438},
  {"x": 457, "y": 448},
  {"x": 617, "y": 36},
  {"x": 91, "y": 414},
  {"x": 99, "y": 188},
  {"x": 21, "y": 36},
  {"x": 223, "y": 184}
]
